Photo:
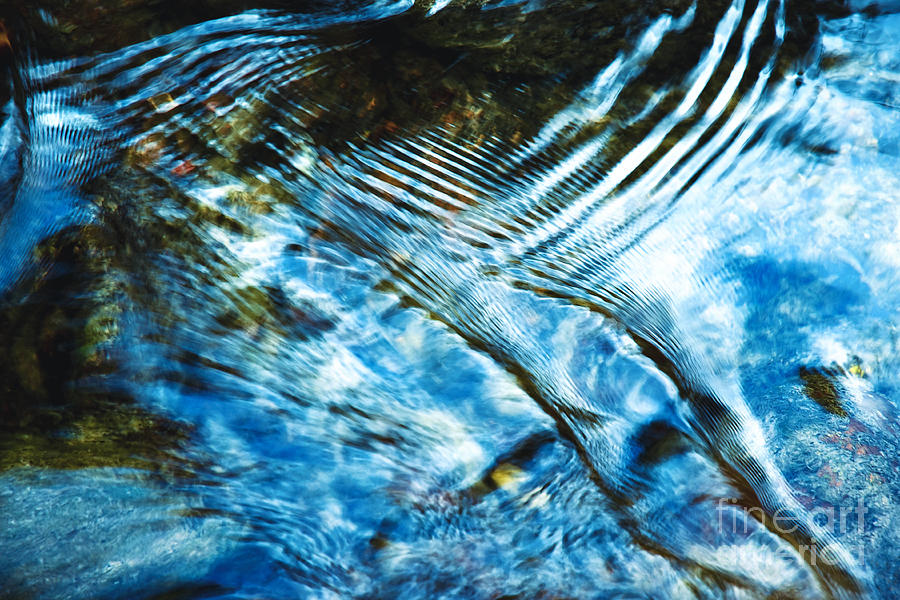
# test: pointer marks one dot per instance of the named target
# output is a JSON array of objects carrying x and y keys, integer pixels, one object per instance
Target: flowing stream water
[{"x": 460, "y": 298}]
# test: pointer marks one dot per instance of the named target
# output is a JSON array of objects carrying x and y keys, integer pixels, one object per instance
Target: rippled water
[{"x": 482, "y": 299}]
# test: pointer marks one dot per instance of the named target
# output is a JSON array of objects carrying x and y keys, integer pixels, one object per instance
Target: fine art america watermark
[{"x": 837, "y": 521}]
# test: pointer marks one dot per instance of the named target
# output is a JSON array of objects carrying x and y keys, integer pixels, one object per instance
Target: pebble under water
[{"x": 450, "y": 299}]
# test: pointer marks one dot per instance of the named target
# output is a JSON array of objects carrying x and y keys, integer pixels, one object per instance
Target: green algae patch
[
  {"x": 103, "y": 435},
  {"x": 823, "y": 386}
]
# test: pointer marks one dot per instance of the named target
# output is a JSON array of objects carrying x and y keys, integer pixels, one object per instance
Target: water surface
[{"x": 450, "y": 299}]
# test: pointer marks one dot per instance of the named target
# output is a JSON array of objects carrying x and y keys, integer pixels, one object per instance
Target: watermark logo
[{"x": 838, "y": 521}]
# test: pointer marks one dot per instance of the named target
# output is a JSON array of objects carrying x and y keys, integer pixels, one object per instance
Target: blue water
[{"x": 455, "y": 299}]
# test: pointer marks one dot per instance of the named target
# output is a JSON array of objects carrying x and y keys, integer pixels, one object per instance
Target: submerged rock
[
  {"x": 58, "y": 344},
  {"x": 534, "y": 37}
]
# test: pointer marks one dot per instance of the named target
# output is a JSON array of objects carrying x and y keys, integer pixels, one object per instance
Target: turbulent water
[{"x": 481, "y": 299}]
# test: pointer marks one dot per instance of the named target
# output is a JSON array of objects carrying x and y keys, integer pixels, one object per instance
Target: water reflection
[{"x": 530, "y": 298}]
